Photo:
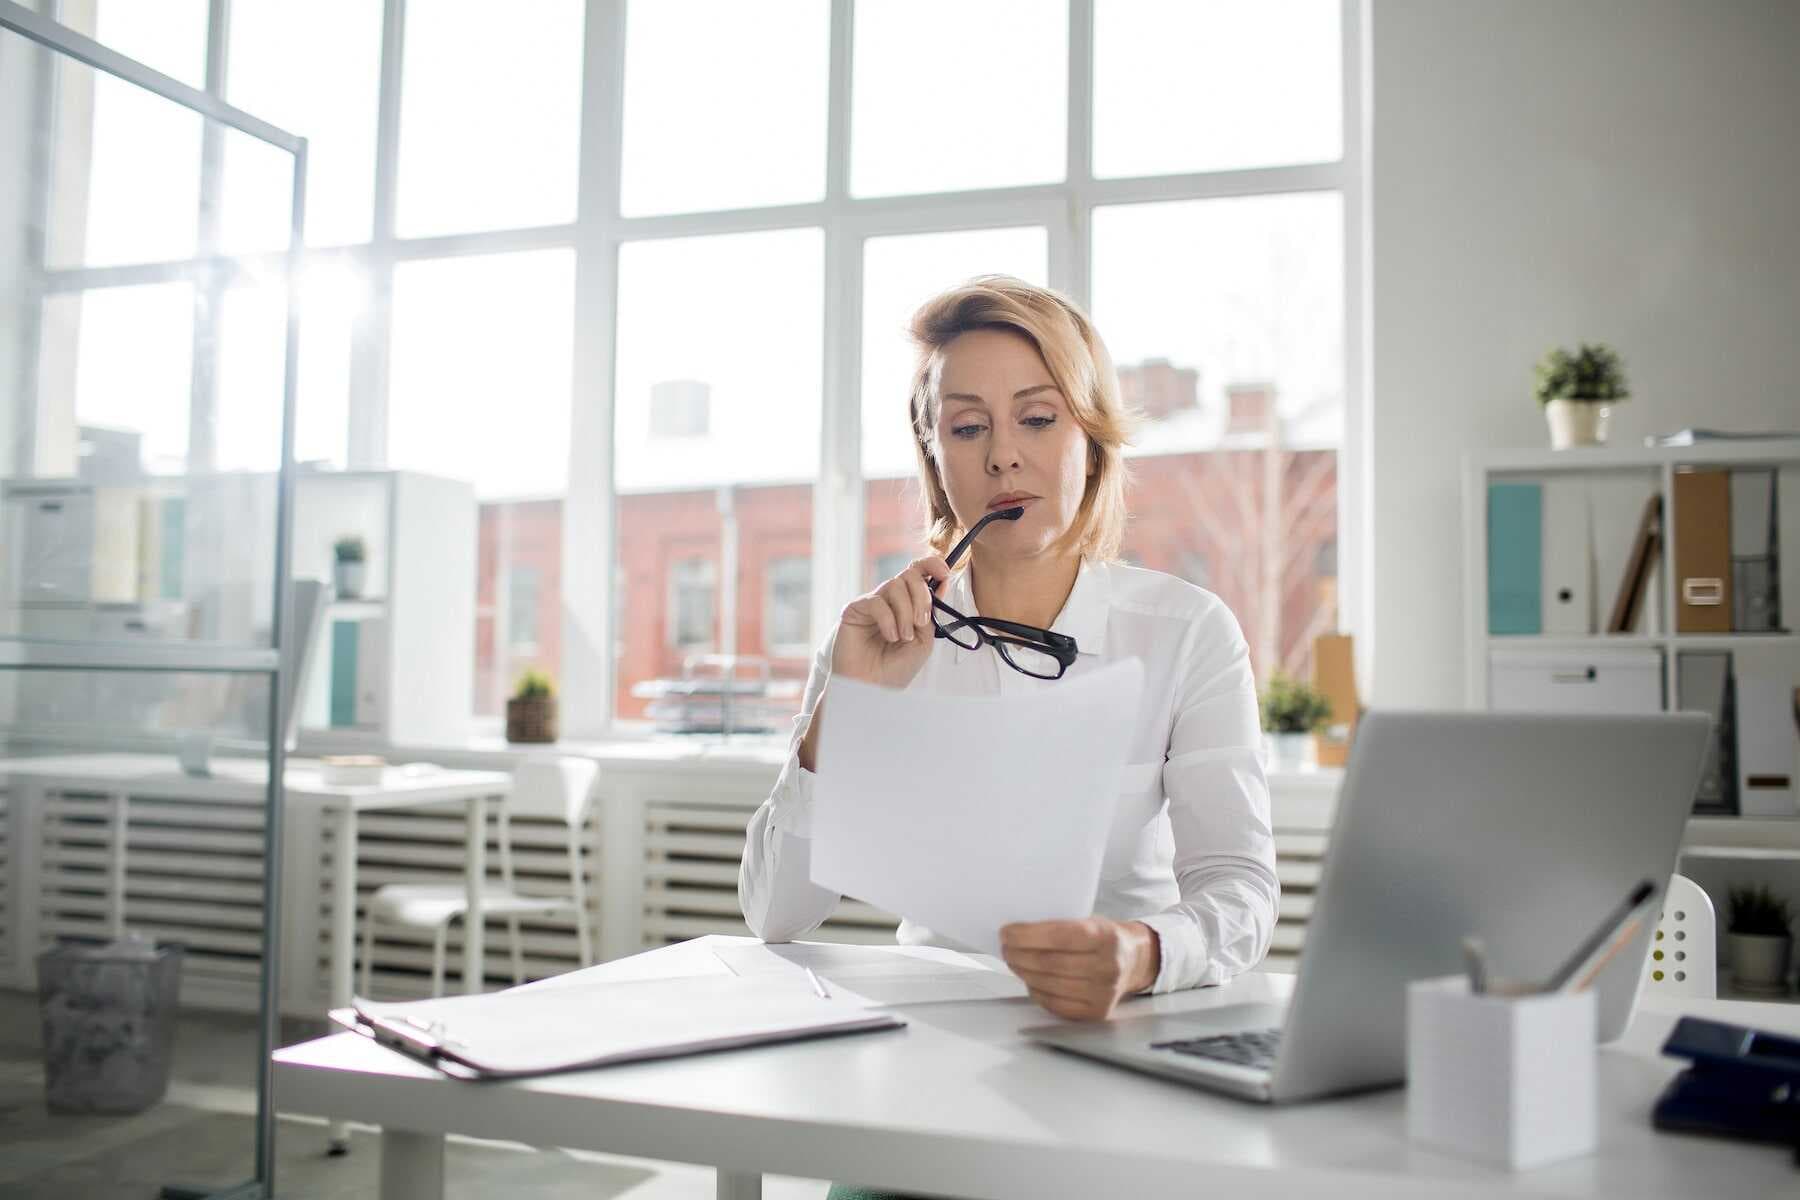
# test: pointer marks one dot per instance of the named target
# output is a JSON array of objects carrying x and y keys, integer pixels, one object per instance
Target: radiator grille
[
  {"x": 193, "y": 874},
  {"x": 692, "y": 850}
]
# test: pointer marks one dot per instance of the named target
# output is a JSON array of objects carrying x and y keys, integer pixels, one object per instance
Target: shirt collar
[{"x": 1083, "y": 615}]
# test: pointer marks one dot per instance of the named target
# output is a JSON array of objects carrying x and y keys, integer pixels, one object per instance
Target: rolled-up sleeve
[
  {"x": 775, "y": 887},
  {"x": 1218, "y": 813}
]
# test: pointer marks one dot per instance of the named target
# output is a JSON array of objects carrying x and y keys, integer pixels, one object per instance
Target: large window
[{"x": 622, "y": 268}]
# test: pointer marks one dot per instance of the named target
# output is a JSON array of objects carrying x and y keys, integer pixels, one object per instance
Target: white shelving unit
[
  {"x": 1714, "y": 837},
  {"x": 418, "y": 592}
]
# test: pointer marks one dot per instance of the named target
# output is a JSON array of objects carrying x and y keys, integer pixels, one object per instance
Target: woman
[{"x": 1015, "y": 405}]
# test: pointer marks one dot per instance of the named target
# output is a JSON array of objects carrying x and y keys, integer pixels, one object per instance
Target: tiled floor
[{"x": 201, "y": 1135}]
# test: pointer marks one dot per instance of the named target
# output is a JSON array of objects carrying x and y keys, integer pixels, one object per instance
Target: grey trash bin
[{"x": 109, "y": 1023}]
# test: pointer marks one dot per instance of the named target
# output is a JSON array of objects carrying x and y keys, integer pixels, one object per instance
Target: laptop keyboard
[{"x": 1253, "y": 1048}]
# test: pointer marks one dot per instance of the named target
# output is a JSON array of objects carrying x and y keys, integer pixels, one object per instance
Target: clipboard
[{"x": 526, "y": 1032}]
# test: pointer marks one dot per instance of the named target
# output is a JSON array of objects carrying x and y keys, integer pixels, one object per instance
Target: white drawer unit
[{"x": 1578, "y": 680}]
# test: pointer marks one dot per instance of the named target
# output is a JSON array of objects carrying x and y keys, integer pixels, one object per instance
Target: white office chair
[
  {"x": 556, "y": 788},
  {"x": 1683, "y": 958}
]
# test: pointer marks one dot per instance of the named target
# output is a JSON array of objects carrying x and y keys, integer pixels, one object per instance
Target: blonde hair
[{"x": 1081, "y": 369}]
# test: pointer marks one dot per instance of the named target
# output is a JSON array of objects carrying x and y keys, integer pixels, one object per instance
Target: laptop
[{"x": 1522, "y": 829}]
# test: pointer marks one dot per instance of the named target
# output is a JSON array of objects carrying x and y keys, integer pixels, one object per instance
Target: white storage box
[
  {"x": 1505, "y": 1079},
  {"x": 1576, "y": 681}
]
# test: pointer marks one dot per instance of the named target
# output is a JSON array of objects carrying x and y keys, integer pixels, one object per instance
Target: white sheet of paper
[
  {"x": 759, "y": 958},
  {"x": 883, "y": 975},
  {"x": 965, "y": 813}
]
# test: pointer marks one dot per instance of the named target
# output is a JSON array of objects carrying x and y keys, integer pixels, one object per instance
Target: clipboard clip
[{"x": 407, "y": 1034}]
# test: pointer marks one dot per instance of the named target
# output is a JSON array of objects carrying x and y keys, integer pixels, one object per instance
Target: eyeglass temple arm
[{"x": 1000, "y": 514}]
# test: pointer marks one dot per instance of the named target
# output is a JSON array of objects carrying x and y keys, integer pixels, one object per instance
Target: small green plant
[
  {"x": 533, "y": 685},
  {"x": 1289, "y": 706},
  {"x": 1593, "y": 374},
  {"x": 1759, "y": 912},
  {"x": 350, "y": 549}
]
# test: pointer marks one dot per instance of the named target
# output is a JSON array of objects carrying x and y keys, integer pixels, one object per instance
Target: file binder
[
  {"x": 1639, "y": 582},
  {"x": 1515, "y": 558},
  {"x": 1567, "y": 572},
  {"x": 1768, "y": 744},
  {"x": 1703, "y": 683},
  {"x": 1755, "y": 550},
  {"x": 545, "y": 1030},
  {"x": 1702, "y": 551}
]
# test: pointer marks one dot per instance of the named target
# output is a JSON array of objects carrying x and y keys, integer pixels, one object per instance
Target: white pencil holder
[{"x": 1508, "y": 1079}]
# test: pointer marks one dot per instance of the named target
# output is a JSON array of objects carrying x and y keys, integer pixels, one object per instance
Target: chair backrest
[
  {"x": 558, "y": 789},
  {"x": 1683, "y": 958}
]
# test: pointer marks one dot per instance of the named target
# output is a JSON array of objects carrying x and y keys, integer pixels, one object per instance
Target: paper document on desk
[
  {"x": 967, "y": 813},
  {"x": 883, "y": 975}
]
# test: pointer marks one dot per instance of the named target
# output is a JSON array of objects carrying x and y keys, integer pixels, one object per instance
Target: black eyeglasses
[{"x": 1040, "y": 653}]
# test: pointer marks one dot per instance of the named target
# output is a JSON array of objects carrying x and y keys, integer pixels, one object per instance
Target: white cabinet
[{"x": 1576, "y": 680}]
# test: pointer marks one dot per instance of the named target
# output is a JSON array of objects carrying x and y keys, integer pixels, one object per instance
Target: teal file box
[
  {"x": 1515, "y": 558},
  {"x": 343, "y": 674}
]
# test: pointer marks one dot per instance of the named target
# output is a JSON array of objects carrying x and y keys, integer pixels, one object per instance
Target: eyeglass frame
[{"x": 1059, "y": 646}]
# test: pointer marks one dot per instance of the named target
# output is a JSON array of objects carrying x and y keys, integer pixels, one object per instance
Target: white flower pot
[
  {"x": 347, "y": 578},
  {"x": 1290, "y": 751},
  {"x": 1759, "y": 963},
  {"x": 1577, "y": 423}
]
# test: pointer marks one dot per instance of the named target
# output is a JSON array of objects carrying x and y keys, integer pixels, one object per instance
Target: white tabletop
[
  {"x": 959, "y": 1103},
  {"x": 232, "y": 778}
]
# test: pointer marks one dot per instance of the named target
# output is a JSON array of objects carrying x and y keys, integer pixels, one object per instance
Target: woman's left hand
[{"x": 1080, "y": 969}]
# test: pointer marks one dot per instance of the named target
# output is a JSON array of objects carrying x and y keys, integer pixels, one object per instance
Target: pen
[
  {"x": 1600, "y": 944},
  {"x": 1475, "y": 954},
  {"x": 818, "y": 984}
]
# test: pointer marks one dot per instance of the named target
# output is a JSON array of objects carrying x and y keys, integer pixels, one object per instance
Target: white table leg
[
  {"x": 475, "y": 868},
  {"x": 412, "y": 1165},
  {"x": 343, "y": 935},
  {"x": 735, "y": 1186}
]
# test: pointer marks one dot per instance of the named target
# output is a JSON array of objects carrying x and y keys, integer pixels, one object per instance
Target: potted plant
[
  {"x": 1577, "y": 392},
  {"x": 349, "y": 553},
  {"x": 531, "y": 713},
  {"x": 1291, "y": 713},
  {"x": 1758, "y": 934}
]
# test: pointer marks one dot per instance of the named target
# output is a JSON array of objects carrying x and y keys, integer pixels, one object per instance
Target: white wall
[{"x": 1547, "y": 172}]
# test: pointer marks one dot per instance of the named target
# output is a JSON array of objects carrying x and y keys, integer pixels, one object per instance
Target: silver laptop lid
[{"x": 1522, "y": 829}]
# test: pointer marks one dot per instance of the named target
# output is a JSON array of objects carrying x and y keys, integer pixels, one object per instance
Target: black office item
[{"x": 1744, "y": 1083}]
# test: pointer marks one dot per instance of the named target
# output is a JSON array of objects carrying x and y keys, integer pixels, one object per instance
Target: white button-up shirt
[{"x": 1190, "y": 853}]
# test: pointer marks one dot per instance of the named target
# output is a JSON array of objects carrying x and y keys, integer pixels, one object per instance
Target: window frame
[{"x": 589, "y": 541}]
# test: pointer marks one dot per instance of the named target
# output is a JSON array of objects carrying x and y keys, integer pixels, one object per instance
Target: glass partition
[{"x": 140, "y": 391}]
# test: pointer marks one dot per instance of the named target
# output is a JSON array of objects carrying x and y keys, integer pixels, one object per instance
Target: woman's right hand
[{"x": 884, "y": 637}]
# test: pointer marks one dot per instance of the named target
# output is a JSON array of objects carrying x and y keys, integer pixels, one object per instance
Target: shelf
[
  {"x": 1572, "y": 641},
  {"x": 190, "y": 657},
  {"x": 1743, "y": 853},
  {"x": 1642, "y": 458},
  {"x": 362, "y": 606},
  {"x": 1691, "y": 641},
  {"x": 1742, "y": 837},
  {"x": 1730, "y": 641}
]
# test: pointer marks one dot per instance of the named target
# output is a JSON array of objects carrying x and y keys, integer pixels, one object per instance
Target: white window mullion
[
  {"x": 838, "y": 494},
  {"x": 370, "y": 341},
  {"x": 209, "y": 288},
  {"x": 589, "y": 541},
  {"x": 1070, "y": 258},
  {"x": 1356, "y": 508}
]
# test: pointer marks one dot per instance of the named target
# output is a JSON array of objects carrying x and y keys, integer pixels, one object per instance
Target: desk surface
[
  {"x": 234, "y": 777},
  {"x": 959, "y": 1103}
]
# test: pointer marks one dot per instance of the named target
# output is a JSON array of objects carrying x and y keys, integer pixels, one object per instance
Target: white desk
[
  {"x": 122, "y": 776},
  {"x": 959, "y": 1104}
]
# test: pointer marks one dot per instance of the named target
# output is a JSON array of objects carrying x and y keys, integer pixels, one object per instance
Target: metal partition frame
[{"x": 174, "y": 657}]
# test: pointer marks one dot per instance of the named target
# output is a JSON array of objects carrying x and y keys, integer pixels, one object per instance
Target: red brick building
[{"x": 1249, "y": 520}]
